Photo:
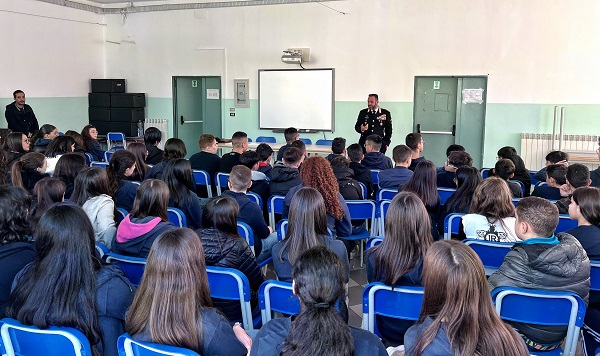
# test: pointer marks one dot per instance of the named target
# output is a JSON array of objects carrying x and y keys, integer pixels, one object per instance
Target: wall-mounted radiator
[
  {"x": 162, "y": 125},
  {"x": 581, "y": 149}
]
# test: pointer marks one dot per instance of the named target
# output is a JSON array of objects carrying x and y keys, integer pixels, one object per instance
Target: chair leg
[{"x": 360, "y": 250}]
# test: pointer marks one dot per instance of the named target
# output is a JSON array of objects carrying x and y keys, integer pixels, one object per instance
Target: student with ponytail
[
  {"x": 28, "y": 170},
  {"x": 121, "y": 166},
  {"x": 318, "y": 329},
  {"x": 43, "y": 137}
]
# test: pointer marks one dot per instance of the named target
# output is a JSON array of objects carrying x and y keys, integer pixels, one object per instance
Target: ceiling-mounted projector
[{"x": 291, "y": 57}]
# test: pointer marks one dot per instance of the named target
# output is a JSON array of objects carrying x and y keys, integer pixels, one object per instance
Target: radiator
[
  {"x": 162, "y": 125},
  {"x": 581, "y": 149}
]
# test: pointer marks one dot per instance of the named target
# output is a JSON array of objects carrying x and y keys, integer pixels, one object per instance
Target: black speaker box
[
  {"x": 99, "y": 114},
  {"x": 128, "y": 100},
  {"x": 127, "y": 114},
  {"x": 100, "y": 100},
  {"x": 104, "y": 127},
  {"x": 108, "y": 85}
]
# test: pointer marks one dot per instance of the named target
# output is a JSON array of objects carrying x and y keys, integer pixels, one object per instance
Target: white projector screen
[{"x": 300, "y": 98}]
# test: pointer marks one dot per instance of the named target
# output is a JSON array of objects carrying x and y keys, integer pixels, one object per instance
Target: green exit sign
[
  {"x": 436, "y": 84},
  {"x": 194, "y": 83}
]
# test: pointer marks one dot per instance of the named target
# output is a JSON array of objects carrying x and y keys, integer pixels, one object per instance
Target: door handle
[
  {"x": 453, "y": 130},
  {"x": 182, "y": 122},
  {"x": 418, "y": 128}
]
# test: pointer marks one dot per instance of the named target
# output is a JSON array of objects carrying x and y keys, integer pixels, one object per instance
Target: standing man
[
  {"x": 20, "y": 116},
  {"x": 374, "y": 120}
]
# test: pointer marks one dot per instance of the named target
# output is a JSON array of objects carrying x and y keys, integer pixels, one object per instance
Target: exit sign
[
  {"x": 436, "y": 84},
  {"x": 194, "y": 83}
]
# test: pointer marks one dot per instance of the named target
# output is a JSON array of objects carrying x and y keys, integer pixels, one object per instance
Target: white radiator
[
  {"x": 581, "y": 149},
  {"x": 162, "y": 125}
]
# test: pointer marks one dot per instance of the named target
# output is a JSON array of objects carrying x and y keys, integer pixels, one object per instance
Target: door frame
[{"x": 174, "y": 91}]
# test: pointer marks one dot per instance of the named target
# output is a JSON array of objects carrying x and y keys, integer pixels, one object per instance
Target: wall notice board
[{"x": 300, "y": 98}]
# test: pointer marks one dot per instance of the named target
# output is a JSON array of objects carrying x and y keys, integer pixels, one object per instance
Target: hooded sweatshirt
[
  {"x": 377, "y": 160},
  {"x": 135, "y": 236},
  {"x": 101, "y": 211},
  {"x": 283, "y": 179}
]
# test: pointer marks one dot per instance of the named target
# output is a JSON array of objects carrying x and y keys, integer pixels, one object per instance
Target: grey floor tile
[
  {"x": 352, "y": 283},
  {"x": 354, "y": 320},
  {"x": 357, "y": 309},
  {"x": 359, "y": 276},
  {"x": 355, "y": 295}
]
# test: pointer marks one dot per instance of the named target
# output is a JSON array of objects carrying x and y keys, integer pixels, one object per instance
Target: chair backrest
[
  {"x": 374, "y": 241},
  {"x": 490, "y": 253},
  {"x": 386, "y": 194},
  {"x": 595, "y": 275},
  {"x": 399, "y": 303},
  {"x": 282, "y": 226},
  {"x": 101, "y": 249},
  {"x": 132, "y": 266},
  {"x": 364, "y": 190},
  {"x": 275, "y": 206},
  {"x": 516, "y": 201},
  {"x": 177, "y": 217},
  {"x": 565, "y": 223},
  {"x": 277, "y": 296},
  {"x": 362, "y": 209},
  {"x": 445, "y": 193},
  {"x": 532, "y": 178},
  {"x": 539, "y": 184},
  {"x": 107, "y": 155},
  {"x": 231, "y": 284},
  {"x": 324, "y": 142},
  {"x": 221, "y": 180},
  {"x": 382, "y": 212},
  {"x": 307, "y": 141},
  {"x": 115, "y": 139},
  {"x": 375, "y": 175},
  {"x": 452, "y": 225},
  {"x": 255, "y": 198},
  {"x": 203, "y": 178},
  {"x": 485, "y": 172},
  {"x": 88, "y": 158},
  {"x": 121, "y": 214},
  {"x": 246, "y": 232},
  {"x": 98, "y": 164},
  {"x": 130, "y": 347},
  {"x": 519, "y": 183},
  {"x": 267, "y": 139},
  {"x": 19, "y": 339},
  {"x": 541, "y": 307}
]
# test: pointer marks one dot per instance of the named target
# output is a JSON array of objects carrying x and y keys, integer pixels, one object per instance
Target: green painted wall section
[{"x": 504, "y": 122}]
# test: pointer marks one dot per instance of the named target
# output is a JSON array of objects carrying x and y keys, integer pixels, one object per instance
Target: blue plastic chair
[
  {"x": 130, "y": 347},
  {"x": 266, "y": 139},
  {"x": 324, "y": 142},
  {"x": 533, "y": 180},
  {"x": 452, "y": 225},
  {"x": 542, "y": 307},
  {"x": 101, "y": 249},
  {"x": 595, "y": 275},
  {"x": 307, "y": 141},
  {"x": 88, "y": 158},
  {"x": 444, "y": 194},
  {"x": 177, "y": 217},
  {"x": 19, "y": 339},
  {"x": 246, "y": 232},
  {"x": 274, "y": 206},
  {"x": 132, "y": 266},
  {"x": 383, "y": 207},
  {"x": 375, "y": 176},
  {"x": 520, "y": 184},
  {"x": 255, "y": 198},
  {"x": 399, "y": 303},
  {"x": 107, "y": 155},
  {"x": 121, "y": 214},
  {"x": 202, "y": 178},
  {"x": 221, "y": 180},
  {"x": 374, "y": 241},
  {"x": 231, "y": 284},
  {"x": 98, "y": 164},
  {"x": 386, "y": 194},
  {"x": 565, "y": 223},
  {"x": 277, "y": 296},
  {"x": 485, "y": 172},
  {"x": 282, "y": 226},
  {"x": 364, "y": 190},
  {"x": 118, "y": 137},
  {"x": 490, "y": 253},
  {"x": 359, "y": 210},
  {"x": 516, "y": 201}
]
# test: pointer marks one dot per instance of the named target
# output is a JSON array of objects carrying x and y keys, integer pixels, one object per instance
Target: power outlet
[{"x": 305, "y": 52}]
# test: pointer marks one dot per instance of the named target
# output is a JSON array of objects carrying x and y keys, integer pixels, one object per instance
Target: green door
[
  {"x": 435, "y": 115},
  {"x": 196, "y": 108}
]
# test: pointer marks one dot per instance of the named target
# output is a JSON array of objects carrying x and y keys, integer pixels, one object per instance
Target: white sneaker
[{"x": 396, "y": 351}]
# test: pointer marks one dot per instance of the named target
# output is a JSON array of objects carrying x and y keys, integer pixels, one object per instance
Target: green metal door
[
  {"x": 470, "y": 120},
  {"x": 197, "y": 109},
  {"x": 435, "y": 115}
]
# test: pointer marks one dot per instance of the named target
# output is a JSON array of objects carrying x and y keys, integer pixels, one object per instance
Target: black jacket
[
  {"x": 13, "y": 257},
  {"x": 155, "y": 155},
  {"x": 377, "y": 160},
  {"x": 40, "y": 145},
  {"x": 232, "y": 252},
  {"x": 21, "y": 120},
  {"x": 380, "y": 123},
  {"x": 349, "y": 187},
  {"x": 283, "y": 179},
  {"x": 363, "y": 175}
]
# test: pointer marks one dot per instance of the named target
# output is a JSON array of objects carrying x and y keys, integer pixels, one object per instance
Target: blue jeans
[{"x": 267, "y": 245}]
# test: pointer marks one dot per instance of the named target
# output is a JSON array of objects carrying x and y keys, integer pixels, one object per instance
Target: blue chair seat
[{"x": 127, "y": 346}]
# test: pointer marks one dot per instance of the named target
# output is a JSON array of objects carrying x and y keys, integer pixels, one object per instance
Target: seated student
[
  {"x": 492, "y": 212},
  {"x": 423, "y": 184},
  {"x": 121, "y": 166},
  {"x": 46, "y": 193},
  {"x": 265, "y": 152},
  {"x": 467, "y": 181},
  {"x": 67, "y": 168},
  {"x": 141, "y": 168},
  {"x": 398, "y": 261},
  {"x": 239, "y": 143},
  {"x": 224, "y": 247},
  {"x": 554, "y": 157},
  {"x": 43, "y": 137},
  {"x": 290, "y": 134},
  {"x": 445, "y": 176},
  {"x": 176, "y": 272},
  {"x": 415, "y": 142},
  {"x": 577, "y": 176},
  {"x": 174, "y": 148},
  {"x": 250, "y": 212},
  {"x": 16, "y": 248},
  {"x": 457, "y": 316},
  {"x": 207, "y": 159},
  {"x": 145, "y": 222},
  {"x": 338, "y": 148},
  {"x": 286, "y": 175},
  {"x": 15, "y": 146},
  {"x": 152, "y": 138},
  {"x": 398, "y": 176},
  {"x": 307, "y": 228},
  {"x": 316, "y": 172},
  {"x": 68, "y": 285},
  {"x": 58, "y": 147},
  {"x": 78, "y": 142},
  {"x": 90, "y": 192},
  {"x": 318, "y": 281},
  {"x": 260, "y": 182},
  {"x": 539, "y": 261},
  {"x": 505, "y": 170},
  {"x": 556, "y": 176},
  {"x": 361, "y": 173},
  {"x": 451, "y": 148},
  {"x": 178, "y": 176},
  {"x": 374, "y": 159},
  {"x": 521, "y": 173},
  {"x": 28, "y": 170},
  {"x": 89, "y": 134}
]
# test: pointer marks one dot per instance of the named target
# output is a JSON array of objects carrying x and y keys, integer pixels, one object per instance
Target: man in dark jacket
[
  {"x": 286, "y": 175},
  {"x": 374, "y": 121},
  {"x": 20, "y": 116},
  {"x": 398, "y": 176},
  {"x": 361, "y": 173},
  {"x": 543, "y": 260},
  {"x": 374, "y": 159}
]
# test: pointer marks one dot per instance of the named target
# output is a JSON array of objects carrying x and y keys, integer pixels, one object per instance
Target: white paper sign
[
  {"x": 212, "y": 93},
  {"x": 472, "y": 96}
]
